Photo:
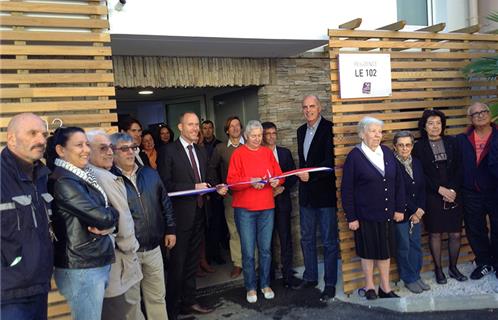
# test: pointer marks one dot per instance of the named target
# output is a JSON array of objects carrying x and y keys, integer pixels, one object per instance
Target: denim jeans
[
  {"x": 255, "y": 227},
  {"x": 409, "y": 257},
  {"x": 84, "y": 290},
  {"x": 27, "y": 308},
  {"x": 326, "y": 219}
]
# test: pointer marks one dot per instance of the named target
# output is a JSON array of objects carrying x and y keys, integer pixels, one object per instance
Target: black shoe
[
  {"x": 481, "y": 271},
  {"x": 456, "y": 274},
  {"x": 440, "y": 277},
  {"x": 305, "y": 285},
  {"x": 327, "y": 293},
  {"x": 370, "y": 294},
  {"x": 389, "y": 294},
  {"x": 290, "y": 282}
]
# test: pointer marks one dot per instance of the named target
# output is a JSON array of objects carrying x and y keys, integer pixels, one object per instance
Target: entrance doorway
[{"x": 166, "y": 104}]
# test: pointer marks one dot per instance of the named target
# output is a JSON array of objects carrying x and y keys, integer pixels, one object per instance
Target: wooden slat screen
[
  {"x": 425, "y": 74},
  {"x": 56, "y": 62}
]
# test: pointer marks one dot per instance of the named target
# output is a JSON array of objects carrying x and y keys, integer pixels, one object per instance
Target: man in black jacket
[
  {"x": 182, "y": 165},
  {"x": 283, "y": 204},
  {"x": 27, "y": 251},
  {"x": 154, "y": 220},
  {"x": 317, "y": 197}
]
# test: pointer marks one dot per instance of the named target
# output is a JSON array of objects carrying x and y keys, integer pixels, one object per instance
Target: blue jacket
[
  {"x": 27, "y": 252},
  {"x": 476, "y": 176},
  {"x": 366, "y": 194},
  {"x": 415, "y": 193}
]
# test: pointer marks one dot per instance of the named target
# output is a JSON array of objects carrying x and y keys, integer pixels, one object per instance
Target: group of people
[
  {"x": 440, "y": 180},
  {"x": 98, "y": 216}
]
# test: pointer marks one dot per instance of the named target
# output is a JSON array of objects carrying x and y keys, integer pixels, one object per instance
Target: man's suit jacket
[
  {"x": 286, "y": 162},
  {"x": 176, "y": 171},
  {"x": 319, "y": 191}
]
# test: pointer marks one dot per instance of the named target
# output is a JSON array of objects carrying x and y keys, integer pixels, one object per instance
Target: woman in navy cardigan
[
  {"x": 408, "y": 231},
  {"x": 373, "y": 197}
]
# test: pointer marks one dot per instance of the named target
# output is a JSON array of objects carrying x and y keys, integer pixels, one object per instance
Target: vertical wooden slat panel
[
  {"x": 59, "y": 72},
  {"x": 425, "y": 74}
]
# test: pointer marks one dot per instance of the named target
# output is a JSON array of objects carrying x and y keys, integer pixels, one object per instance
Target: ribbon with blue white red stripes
[{"x": 193, "y": 192}]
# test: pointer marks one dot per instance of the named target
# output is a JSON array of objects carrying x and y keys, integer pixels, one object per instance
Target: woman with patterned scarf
[
  {"x": 408, "y": 231},
  {"x": 82, "y": 221}
]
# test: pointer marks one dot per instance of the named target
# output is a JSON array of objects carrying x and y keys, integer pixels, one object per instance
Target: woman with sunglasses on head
[
  {"x": 440, "y": 156},
  {"x": 83, "y": 220}
]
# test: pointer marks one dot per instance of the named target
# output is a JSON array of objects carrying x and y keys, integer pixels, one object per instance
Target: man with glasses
[
  {"x": 478, "y": 190},
  {"x": 154, "y": 221},
  {"x": 121, "y": 301}
]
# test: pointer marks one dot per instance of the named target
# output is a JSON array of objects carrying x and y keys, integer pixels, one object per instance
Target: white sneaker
[
  {"x": 252, "y": 298},
  {"x": 268, "y": 293}
]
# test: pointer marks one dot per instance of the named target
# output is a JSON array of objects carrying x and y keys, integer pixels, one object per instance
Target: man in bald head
[{"x": 26, "y": 241}]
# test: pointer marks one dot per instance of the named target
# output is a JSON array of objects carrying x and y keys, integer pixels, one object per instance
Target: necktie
[{"x": 197, "y": 177}]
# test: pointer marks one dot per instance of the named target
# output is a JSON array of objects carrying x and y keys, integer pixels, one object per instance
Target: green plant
[{"x": 486, "y": 67}]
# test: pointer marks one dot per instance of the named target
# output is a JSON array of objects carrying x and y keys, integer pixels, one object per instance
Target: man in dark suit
[
  {"x": 317, "y": 197},
  {"x": 182, "y": 165},
  {"x": 283, "y": 204}
]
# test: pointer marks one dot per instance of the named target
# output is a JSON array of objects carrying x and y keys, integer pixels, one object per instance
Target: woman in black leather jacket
[{"x": 82, "y": 221}]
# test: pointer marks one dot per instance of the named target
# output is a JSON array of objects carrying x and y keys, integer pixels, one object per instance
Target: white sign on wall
[{"x": 364, "y": 75}]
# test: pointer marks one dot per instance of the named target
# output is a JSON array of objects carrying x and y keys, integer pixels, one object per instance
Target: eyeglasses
[
  {"x": 104, "y": 148},
  {"x": 479, "y": 113},
  {"x": 126, "y": 148},
  {"x": 401, "y": 145}
]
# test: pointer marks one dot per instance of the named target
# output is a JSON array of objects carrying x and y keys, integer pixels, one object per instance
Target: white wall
[
  {"x": 455, "y": 13},
  {"x": 260, "y": 19}
]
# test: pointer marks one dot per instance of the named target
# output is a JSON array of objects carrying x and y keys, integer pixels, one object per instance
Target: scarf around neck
[
  {"x": 86, "y": 175},
  {"x": 406, "y": 163}
]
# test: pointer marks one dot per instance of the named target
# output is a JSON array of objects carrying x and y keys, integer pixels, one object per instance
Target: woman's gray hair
[
  {"x": 251, "y": 125},
  {"x": 366, "y": 122},
  {"x": 120, "y": 137},
  {"x": 403, "y": 134},
  {"x": 92, "y": 134}
]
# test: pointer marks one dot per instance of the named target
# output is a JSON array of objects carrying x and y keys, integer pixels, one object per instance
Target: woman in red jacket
[{"x": 254, "y": 204}]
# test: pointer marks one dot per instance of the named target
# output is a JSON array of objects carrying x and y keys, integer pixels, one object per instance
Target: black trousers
[
  {"x": 183, "y": 263},
  {"x": 477, "y": 206},
  {"x": 216, "y": 229},
  {"x": 283, "y": 228}
]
